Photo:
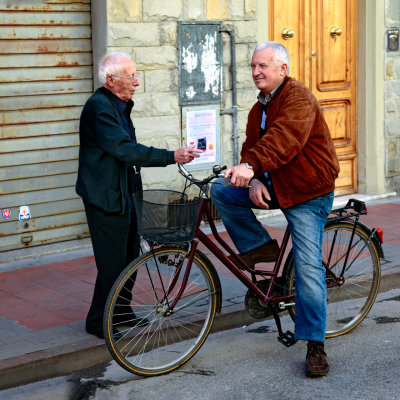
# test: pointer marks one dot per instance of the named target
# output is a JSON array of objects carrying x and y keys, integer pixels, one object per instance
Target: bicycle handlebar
[{"x": 217, "y": 173}]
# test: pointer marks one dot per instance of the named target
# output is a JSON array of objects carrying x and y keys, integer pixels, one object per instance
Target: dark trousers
[{"x": 115, "y": 244}]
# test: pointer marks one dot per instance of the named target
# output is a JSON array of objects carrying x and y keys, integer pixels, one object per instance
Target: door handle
[
  {"x": 335, "y": 31},
  {"x": 287, "y": 33}
]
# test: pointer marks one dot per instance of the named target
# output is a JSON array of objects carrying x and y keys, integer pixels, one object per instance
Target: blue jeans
[{"x": 306, "y": 223}]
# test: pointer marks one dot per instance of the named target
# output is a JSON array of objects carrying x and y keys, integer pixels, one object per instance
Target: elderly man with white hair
[{"x": 110, "y": 160}]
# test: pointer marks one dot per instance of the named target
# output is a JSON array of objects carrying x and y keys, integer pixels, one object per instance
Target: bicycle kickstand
[{"x": 287, "y": 338}]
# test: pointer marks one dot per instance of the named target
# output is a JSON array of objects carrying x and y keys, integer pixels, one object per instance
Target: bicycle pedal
[{"x": 287, "y": 339}]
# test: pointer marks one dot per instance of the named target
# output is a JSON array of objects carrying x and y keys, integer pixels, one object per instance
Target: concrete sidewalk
[{"x": 45, "y": 294}]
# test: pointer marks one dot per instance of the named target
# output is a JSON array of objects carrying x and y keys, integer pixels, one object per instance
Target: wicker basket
[{"x": 166, "y": 216}]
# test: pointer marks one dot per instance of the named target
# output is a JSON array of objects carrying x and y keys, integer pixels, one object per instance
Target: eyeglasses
[{"x": 130, "y": 77}]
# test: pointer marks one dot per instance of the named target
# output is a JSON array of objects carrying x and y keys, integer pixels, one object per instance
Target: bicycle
[{"x": 175, "y": 287}]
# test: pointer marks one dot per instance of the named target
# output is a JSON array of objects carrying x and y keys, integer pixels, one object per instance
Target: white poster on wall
[{"x": 202, "y": 131}]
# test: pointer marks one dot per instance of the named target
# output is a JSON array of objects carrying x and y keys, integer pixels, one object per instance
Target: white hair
[
  {"x": 281, "y": 55},
  {"x": 111, "y": 64}
]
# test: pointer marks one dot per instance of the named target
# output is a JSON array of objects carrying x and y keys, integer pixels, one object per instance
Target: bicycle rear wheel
[
  {"x": 148, "y": 286},
  {"x": 351, "y": 288}
]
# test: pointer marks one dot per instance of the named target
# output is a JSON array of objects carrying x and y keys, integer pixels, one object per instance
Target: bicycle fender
[{"x": 374, "y": 237}]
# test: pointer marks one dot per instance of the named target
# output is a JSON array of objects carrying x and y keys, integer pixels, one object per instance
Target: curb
[
  {"x": 66, "y": 359},
  {"x": 63, "y": 360}
]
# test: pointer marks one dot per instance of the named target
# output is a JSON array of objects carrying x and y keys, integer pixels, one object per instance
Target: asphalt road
[{"x": 249, "y": 363}]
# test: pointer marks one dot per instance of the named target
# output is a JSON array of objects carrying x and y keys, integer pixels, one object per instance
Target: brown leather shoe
[
  {"x": 316, "y": 360},
  {"x": 268, "y": 252}
]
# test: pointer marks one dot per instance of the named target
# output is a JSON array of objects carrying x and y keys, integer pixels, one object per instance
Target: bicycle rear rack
[{"x": 357, "y": 206}]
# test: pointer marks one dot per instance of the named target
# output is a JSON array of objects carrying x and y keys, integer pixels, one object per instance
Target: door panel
[
  {"x": 334, "y": 68},
  {"x": 337, "y": 113},
  {"x": 332, "y": 42}
]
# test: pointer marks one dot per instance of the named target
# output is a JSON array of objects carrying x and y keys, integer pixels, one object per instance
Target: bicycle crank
[{"x": 283, "y": 306}]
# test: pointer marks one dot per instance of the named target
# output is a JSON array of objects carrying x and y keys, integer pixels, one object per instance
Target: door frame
[
  {"x": 371, "y": 97},
  {"x": 99, "y": 36}
]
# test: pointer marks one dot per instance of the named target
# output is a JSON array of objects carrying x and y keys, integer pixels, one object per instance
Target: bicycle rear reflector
[{"x": 379, "y": 232}]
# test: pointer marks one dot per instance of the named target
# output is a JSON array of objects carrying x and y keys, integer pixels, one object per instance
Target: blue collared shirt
[{"x": 264, "y": 100}]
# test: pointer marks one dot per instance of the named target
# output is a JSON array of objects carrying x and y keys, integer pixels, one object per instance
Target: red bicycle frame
[{"x": 203, "y": 238}]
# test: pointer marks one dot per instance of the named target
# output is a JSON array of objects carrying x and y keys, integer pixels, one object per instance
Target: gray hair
[
  {"x": 110, "y": 64},
  {"x": 281, "y": 55}
]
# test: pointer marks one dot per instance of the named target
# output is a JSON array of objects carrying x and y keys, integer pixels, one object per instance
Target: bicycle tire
[
  {"x": 167, "y": 341},
  {"x": 350, "y": 302}
]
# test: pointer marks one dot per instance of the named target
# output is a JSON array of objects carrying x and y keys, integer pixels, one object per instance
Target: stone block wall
[
  {"x": 392, "y": 100},
  {"x": 148, "y": 30}
]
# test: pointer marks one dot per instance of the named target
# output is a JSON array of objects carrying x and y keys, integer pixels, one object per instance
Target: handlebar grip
[{"x": 184, "y": 171}]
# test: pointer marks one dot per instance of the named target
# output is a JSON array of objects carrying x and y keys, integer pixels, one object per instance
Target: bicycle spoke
[
  {"x": 195, "y": 300},
  {"x": 350, "y": 300}
]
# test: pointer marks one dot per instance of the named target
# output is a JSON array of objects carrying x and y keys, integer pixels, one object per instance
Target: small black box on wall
[{"x": 393, "y": 40}]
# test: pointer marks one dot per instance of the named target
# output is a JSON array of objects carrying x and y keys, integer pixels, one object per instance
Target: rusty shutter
[{"x": 45, "y": 78}]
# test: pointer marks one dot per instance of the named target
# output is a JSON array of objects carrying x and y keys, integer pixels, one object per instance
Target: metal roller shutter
[{"x": 45, "y": 78}]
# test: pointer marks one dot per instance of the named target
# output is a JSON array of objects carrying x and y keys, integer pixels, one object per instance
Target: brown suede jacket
[{"x": 297, "y": 148}]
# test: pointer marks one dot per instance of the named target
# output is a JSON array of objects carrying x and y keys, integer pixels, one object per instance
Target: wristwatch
[{"x": 248, "y": 165}]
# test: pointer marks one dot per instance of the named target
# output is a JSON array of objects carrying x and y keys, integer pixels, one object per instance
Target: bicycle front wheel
[
  {"x": 158, "y": 339},
  {"x": 352, "y": 276}
]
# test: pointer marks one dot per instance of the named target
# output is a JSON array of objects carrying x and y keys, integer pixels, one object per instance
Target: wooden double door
[{"x": 321, "y": 38}]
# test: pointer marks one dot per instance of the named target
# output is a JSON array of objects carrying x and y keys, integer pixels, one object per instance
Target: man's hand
[
  {"x": 258, "y": 193},
  {"x": 186, "y": 154},
  {"x": 240, "y": 175}
]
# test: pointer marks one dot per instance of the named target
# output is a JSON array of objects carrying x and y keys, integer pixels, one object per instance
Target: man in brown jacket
[{"x": 289, "y": 157}]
